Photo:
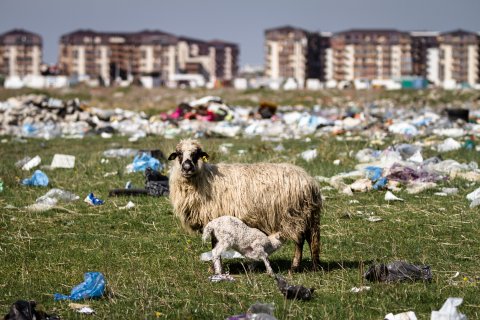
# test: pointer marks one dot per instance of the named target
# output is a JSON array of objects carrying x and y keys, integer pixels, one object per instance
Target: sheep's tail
[{"x": 207, "y": 231}]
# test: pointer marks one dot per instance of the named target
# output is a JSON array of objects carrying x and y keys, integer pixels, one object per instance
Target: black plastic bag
[{"x": 398, "y": 271}]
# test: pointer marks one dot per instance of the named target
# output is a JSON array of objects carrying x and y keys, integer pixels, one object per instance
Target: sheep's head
[{"x": 188, "y": 153}]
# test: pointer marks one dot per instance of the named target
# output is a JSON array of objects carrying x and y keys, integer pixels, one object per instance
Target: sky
[{"x": 242, "y": 22}]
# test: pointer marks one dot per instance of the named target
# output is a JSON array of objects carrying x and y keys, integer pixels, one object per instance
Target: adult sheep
[{"x": 272, "y": 197}]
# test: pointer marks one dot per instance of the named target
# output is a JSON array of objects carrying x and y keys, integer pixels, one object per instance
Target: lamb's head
[
  {"x": 276, "y": 240},
  {"x": 190, "y": 157}
]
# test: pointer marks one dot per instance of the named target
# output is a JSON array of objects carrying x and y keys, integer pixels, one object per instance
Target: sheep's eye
[{"x": 180, "y": 157}]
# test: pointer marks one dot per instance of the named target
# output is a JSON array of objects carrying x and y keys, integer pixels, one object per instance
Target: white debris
[
  {"x": 474, "y": 197},
  {"x": 309, "y": 155},
  {"x": 129, "y": 205},
  {"x": 449, "y": 144},
  {"x": 336, "y": 162},
  {"x": 409, "y": 315},
  {"x": 449, "y": 311},
  {"x": 32, "y": 163},
  {"x": 229, "y": 254},
  {"x": 389, "y": 196},
  {"x": 63, "y": 161},
  {"x": 360, "y": 289}
]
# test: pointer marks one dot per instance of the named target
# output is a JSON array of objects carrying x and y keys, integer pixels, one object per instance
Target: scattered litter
[
  {"x": 409, "y": 315},
  {"x": 257, "y": 311},
  {"x": 221, "y": 277},
  {"x": 32, "y": 163},
  {"x": 449, "y": 144},
  {"x": 474, "y": 197},
  {"x": 228, "y": 254},
  {"x": 25, "y": 310},
  {"x": 309, "y": 155},
  {"x": 143, "y": 161},
  {"x": 50, "y": 199},
  {"x": 360, "y": 289},
  {"x": 129, "y": 205},
  {"x": 336, "y": 162},
  {"x": 298, "y": 292},
  {"x": 63, "y": 161},
  {"x": 81, "y": 308},
  {"x": 1, "y": 186},
  {"x": 449, "y": 311},
  {"x": 39, "y": 178},
  {"x": 156, "y": 185},
  {"x": 92, "y": 287},
  {"x": 91, "y": 200},
  {"x": 117, "y": 153},
  {"x": 110, "y": 174},
  {"x": 398, "y": 271},
  {"x": 389, "y": 196},
  {"x": 374, "y": 219}
]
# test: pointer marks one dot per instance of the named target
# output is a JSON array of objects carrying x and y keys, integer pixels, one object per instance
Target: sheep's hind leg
[
  {"x": 313, "y": 240},
  {"x": 297, "y": 258},
  {"x": 267, "y": 266}
]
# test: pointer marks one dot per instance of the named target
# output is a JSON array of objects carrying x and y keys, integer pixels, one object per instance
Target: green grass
[{"x": 152, "y": 265}]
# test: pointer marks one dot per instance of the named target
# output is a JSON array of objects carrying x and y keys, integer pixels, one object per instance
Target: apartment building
[
  {"x": 111, "y": 56},
  {"x": 426, "y": 55},
  {"x": 20, "y": 53},
  {"x": 459, "y": 57},
  {"x": 295, "y": 53},
  {"x": 371, "y": 54}
]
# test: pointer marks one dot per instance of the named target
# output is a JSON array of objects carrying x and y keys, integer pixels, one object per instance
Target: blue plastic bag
[
  {"x": 143, "y": 161},
  {"x": 92, "y": 287},
  {"x": 373, "y": 173},
  {"x": 92, "y": 200},
  {"x": 38, "y": 179}
]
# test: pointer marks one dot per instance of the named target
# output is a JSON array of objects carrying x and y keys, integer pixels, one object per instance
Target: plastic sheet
[
  {"x": 144, "y": 161},
  {"x": 398, "y": 271},
  {"x": 92, "y": 287},
  {"x": 38, "y": 178},
  {"x": 297, "y": 292},
  {"x": 449, "y": 311}
]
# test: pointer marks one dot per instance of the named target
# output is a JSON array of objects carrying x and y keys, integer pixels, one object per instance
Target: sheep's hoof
[{"x": 294, "y": 269}]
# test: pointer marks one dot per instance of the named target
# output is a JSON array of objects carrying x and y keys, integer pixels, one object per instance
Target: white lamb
[{"x": 232, "y": 233}]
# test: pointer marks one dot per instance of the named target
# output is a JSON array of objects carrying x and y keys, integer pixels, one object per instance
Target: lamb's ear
[
  {"x": 203, "y": 154},
  {"x": 172, "y": 156}
]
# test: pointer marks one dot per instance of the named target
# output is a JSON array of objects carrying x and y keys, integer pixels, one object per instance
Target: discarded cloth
[
  {"x": 156, "y": 185},
  {"x": 398, "y": 271},
  {"x": 92, "y": 287},
  {"x": 39, "y": 178}
]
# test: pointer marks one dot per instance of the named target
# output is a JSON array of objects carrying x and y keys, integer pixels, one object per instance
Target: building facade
[
  {"x": 295, "y": 53},
  {"x": 459, "y": 57},
  {"x": 371, "y": 54},
  {"x": 128, "y": 56},
  {"x": 20, "y": 53}
]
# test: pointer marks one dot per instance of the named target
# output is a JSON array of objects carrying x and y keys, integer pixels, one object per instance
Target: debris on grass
[
  {"x": 81, "y": 308},
  {"x": 92, "y": 287},
  {"x": 221, "y": 277},
  {"x": 449, "y": 310},
  {"x": 39, "y": 178},
  {"x": 92, "y": 200},
  {"x": 32, "y": 163},
  {"x": 409, "y": 315},
  {"x": 360, "y": 289},
  {"x": 398, "y": 271},
  {"x": 63, "y": 161},
  {"x": 389, "y": 196},
  {"x": 297, "y": 292}
]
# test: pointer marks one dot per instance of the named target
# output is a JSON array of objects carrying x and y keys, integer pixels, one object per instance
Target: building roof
[
  {"x": 137, "y": 38},
  {"x": 20, "y": 37},
  {"x": 285, "y": 29}
]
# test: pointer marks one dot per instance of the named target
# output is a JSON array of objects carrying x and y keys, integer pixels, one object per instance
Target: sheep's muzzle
[{"x": 188, "y": 168}]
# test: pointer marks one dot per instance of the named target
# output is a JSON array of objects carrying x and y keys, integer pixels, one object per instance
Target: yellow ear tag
[{"x": 204, "y": 159}]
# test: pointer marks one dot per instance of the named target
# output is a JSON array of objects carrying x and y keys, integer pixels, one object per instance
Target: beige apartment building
[
  {"x": 371, "y": 54},
  {"x": 459, "y": 57},
  {"x": 112, "y": 56},
  {"x": 20, "y": 53}
]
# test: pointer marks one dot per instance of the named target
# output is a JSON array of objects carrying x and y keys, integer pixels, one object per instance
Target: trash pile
[{"x": 43, "y": 117}]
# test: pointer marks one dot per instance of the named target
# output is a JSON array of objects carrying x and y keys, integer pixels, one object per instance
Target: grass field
[{"x": 152, "y": 266}]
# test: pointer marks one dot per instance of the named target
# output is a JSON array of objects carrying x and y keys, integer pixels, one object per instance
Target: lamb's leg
[
  {"x": 214, "y": 243},
  {"x": 267, "y": 266},
  {"x": 217, "y": 257},
  {"x": 297, "y": 258}
]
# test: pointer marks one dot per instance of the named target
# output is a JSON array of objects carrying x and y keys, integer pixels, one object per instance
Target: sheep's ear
[
  {"x": 172, "y": 156},
  {"x": 204, "y": 155}
]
